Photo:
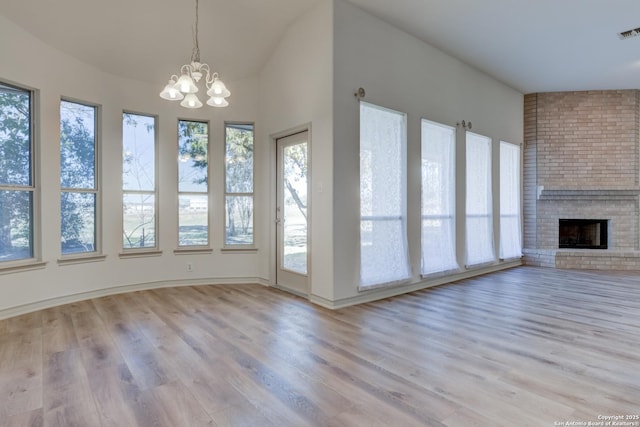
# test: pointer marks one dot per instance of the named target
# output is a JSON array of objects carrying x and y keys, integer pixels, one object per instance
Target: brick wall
[
  {"x": 530, "y": 181},
  {"x": 581, "y": 160},
  {"x": 587, "y": 139}
]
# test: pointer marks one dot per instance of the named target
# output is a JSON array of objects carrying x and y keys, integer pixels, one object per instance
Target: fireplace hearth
[{"x": 583, "y": 233}]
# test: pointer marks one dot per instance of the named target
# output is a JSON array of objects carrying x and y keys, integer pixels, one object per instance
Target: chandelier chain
[{"x": 195, "y": 55}]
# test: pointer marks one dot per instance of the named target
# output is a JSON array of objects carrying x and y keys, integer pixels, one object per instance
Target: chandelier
[{"x": 184, "y": 88}]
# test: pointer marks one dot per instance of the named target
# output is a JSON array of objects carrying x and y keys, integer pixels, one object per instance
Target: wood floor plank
[
  {"x": 25, "y": 322},
  {"x": 181, "y": 406},
  {"x": 242, "y": 414},
  {"x": 98, "y": 347},
  {"x": 115, "y": 394},
  {"x": 21, "y": 382},
  {"x": 269, "y": 404},
  {"x": 190, "y": 354},
  {"x": 468, "y": 418},
  {"x": 148, "y": 367},
  {"x": 261, "y": 345},
  {"x": 526, "y": 347},
  {"x": 25, "y": 419},
  {"x": 334, "y": 377},
  {"x": 277, "y": 401},
  {"x": 58, "y": 332},
  {"x": 68, "y": 394},
  {"x": 71, "y": 415},
  {"x": 4, "y": 327},
  {"x": 149, "y": 411}
]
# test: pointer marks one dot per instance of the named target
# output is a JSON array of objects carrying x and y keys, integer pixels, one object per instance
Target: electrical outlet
[{"x": 189, "y": 266}]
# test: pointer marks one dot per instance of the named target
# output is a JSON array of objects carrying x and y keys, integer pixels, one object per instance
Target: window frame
[
  {"x": 34, "y": 261},
  {"x": 151, "y": 250},
  {"x": 230, "y": 246},
  {"x": 185, "y": 249},
  {"x": 96, "y": 254}
]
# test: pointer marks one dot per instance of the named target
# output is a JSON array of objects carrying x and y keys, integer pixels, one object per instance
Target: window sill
[
  {"x": 139, "y": 254},
  {"x": 81, "y": 259},
  {"x": 510, "y": 259},
  {"x": 480, "y": 265},
  {"x": 192, "y": 251},
  {"x": 379, "y": 286},
  {"x": 24, "y": 266},
  {"x": 441, "y": 273}
]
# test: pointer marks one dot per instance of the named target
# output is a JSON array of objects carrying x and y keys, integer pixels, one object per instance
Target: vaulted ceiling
[{"x": 533, "y": 46}]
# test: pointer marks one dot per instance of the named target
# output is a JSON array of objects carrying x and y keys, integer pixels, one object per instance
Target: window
[
  {"x": 16, "y": 174},
  {"x": 383, "y": 207},
  {"x": 193, "y": 189},
  {"x": 139, "y": 196},
  {"x": 438, "y": 198},
  {"x": 510, "y": 227},
  {"x": 238, "y": 184},
  {"x": 479, "y": 224},
  {"x": 78, "y": 178}
]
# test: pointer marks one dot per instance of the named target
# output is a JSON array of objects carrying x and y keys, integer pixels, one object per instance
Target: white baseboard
[
  {"x": 121, "y": 289},
  {"x": 378, "y": 294},
  {"x": 367, "y": 296}
]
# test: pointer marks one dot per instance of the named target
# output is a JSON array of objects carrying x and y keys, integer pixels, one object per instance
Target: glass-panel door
[{"x": 291, "y": 213}]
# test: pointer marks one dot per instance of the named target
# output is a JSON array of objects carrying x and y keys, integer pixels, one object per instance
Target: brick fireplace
[{"x": 581, "y": 162}]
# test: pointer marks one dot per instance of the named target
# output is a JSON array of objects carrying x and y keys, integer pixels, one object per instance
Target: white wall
[
  {"x": 295, "y": 90},
  {"x": 401, "y": 72},
  {"x": 309, "y": 80},
  {"x": 29, "y": 62}
]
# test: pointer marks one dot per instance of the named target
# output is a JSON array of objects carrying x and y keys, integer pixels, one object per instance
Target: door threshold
[{"x": 292, "y": 291}]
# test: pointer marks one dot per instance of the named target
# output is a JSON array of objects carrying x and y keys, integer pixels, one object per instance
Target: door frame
[{"x": 273, "y": 232}]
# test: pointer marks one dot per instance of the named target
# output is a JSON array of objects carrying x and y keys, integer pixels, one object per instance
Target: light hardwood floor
[{"x": 523, "y": 347}]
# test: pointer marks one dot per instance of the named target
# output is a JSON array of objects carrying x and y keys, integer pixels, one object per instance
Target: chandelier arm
[
  {"x": 208, "y": 76},
  {"x": 214, "y": 77},
  {"x": 186, "y": 69}
]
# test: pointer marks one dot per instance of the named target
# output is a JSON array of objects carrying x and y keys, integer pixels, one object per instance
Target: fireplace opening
[{"x": 583, "y": 233}]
